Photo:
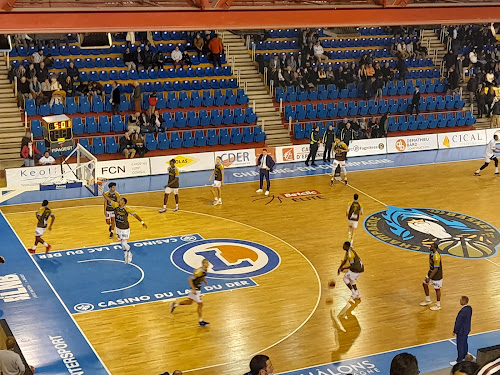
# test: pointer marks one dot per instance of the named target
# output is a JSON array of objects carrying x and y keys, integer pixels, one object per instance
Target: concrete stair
[
  {"x": 250, "y": 79},
  {"x": 11, "y": 124},
  {"x": 435, "y": 49},
  {"x": 481, "y": 123}
]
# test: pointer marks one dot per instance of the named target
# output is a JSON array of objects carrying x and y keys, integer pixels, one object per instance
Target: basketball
[{"x": 331, "y": 284}]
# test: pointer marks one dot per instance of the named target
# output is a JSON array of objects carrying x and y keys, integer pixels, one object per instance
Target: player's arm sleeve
[
  {"x": 118, "y": 196},
  {"x": 436, "y": 259},
  {"x": 129, "y": 210},
  {"x": 114, "y": 204},
  {"x": 176, "y": 172}
]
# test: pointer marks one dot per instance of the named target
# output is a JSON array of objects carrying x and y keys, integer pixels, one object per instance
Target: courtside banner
[
  {"x": 490, "y": 133},
  {"x": 123, "y": 168},
  {"x": 185, "y": 162},
  {"x": 289, "y": 154},
  {"x": 412, "y": 143},
  {"x": 30, "y": 176},
  {"x": 237, "y": 158},
  {"x": 462, "y": 139},
  {"x": 364, "y": 147}
]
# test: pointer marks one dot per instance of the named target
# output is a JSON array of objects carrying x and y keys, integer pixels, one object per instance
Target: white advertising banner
[
  {"x": 289, "y": 154},
  {"x": 243, "y": 158},
  {"x": 30, "y": 176},
  {"x": 363, "y": 147},
  {"x": 490, "y": 133},
  {"x": 410, "y": 143},
  {"x": 123, "y": 168},
  {"x": 185, "y": 162},
  {"x": 462, "y": 139}
]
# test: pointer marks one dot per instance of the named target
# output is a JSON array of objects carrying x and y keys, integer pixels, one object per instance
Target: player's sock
[
  {"x": 200, "y": 319},
  {"x": 427, "y": 298},
  {"x": 45, "y": 244},
  {"x": 496, "y": 169},
  {"x": 164, "y": 206},
  {"x": 33, "y": 247},
  {"x": 438, "y": 303},
  {"x": 176, "y": 205}
]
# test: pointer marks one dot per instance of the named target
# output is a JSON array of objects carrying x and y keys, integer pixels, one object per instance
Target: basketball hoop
[{"x": 101, "y": 182}]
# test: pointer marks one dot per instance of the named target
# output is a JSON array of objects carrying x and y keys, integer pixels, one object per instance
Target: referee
[{"x": 313, "y": 147}]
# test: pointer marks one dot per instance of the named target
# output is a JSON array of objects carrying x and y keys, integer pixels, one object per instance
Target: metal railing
[
  {"x": 253, "y": 52},
  {"x": 289, "y": 125},
  {"x": 253, "y": 106},
  {"x": 265, "y": 75},
  {"x": 26, "y": 120},
  {"x": 271, "y": 88},
  {"x": 15, "y": 86},
  {"x": 281, "y": 105},
  {"x": 263, "y": 125},
  {"x": 247, "y": 42}
]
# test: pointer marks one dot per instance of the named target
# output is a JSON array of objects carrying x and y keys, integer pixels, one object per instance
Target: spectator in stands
[
  {"x": 139, "y": 145},
  {"x": 46, "y": 159},
  {"x": 453, "y": 79},
  {"x": 368, "y": 88},
  {"x": 401, "y": 50},
  {"x": 387, "y": 73},
  {"x": 206, "y": 49},
  {"x": 415, "y": 102},
  {"x": 10, "y": 361},
  {"x": 146, "y": 125},
  {"x": 347, "y": 134},
  {"x": 341, "y": 125},
  {"x": 42, "y": 72},
  {"x": 29, "y": 152},
  {"x": 299, "y": 78},
  {"x": 186, "y": 59},
  {"x": 176, "y": 56},
  {"x": 115, "y": 99},
  {"x": 129, "y": 59},
  {"x": 153, "y": 100},
  {"x": 340, "y": 79},
  {"x": 292, "y": 63},
  {"x": 136, "y": 96},
  {"x": 472, "y": 88},
  {"x": 313, "y": 77},
  {"x": 420, "y": 50},
  {"x": 404, "y": 364},
  {"x": 126, "y": 146},
  {"x": 362, "y": 73},
  {"x": 21, "y": 72},
  {"x": 351, "y": 73},
  {"x": 132, "y": 125},
  {"x": 143, "y": 119},
  {"x": 409, "y": 50},
  {"x": 330, "y": 75},
  {"x": 260, "y": 365},
  {"x": 31, "y": 72},
  {"x": 148, "y": 57},
  {"x": 490, "y": 96},
  {"x": 374, "y": 128},
  {"x": 23, "y": 91},
  {"x": 489, "y": 78},
  {"x": 495, "y": 113},
  {"x": 37, "y": 58},
  {"x": 378, "y": 70},
  {"x": 68, "y": 87},
  {"x": 46, "y": 92},
  {"x": 465, "y": 368},
  {"x": 81, "y": 89},
  {"x": 459, "y": 66},
  {"x": 198, "y": 44},
  {"x": 319, "y": 52},
  {"x": 308, "y": 49},
  {"x": 95, "y": 89},
  {"x": 473, "y": 57},
  {"x": 157, "y": 122},
  {"x": 301, "y": 61},
  {"x": 377, "y": 86},
  {"x": 481, "y": 100},
  {"x": 216, "y": 48},
  {"x": 302, "y": 41},
  {"x": 383, "y": 124},
  {"x": 289, "y": 77},
  {"x": 402, "y": 68},
  {"x": 139, "y": 57},
  {"x": 279, "y": 79},
  {"x": 159, "y": 59},
  {"x": 283, "y": 63},
  {"x": 72, "y": 71},
  {"x": 274, "y": 65},
  {"x": 363, "y": 128},
  {"x": 57, "y": 93},
  {"x": 369, "y": 71},
  {"x": 35, "y": 89}
]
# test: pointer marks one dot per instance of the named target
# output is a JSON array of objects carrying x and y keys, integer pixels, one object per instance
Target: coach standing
[
  {"x": 328, "y": 139},
  {"x": 462, "y": 329},
  {"x": 313, "y": 147},
  {"x": 265, "y": 163}
]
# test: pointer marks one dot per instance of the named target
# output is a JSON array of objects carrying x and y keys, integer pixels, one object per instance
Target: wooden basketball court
[{"x": 288, "y": 315}]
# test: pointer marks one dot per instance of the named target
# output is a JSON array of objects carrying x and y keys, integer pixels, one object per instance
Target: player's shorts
[
  {"x": 217, "y": 184},
  {"x": 353, "y": 223},
  {"x": 169, "y": 190},
  {"x": 109, "y": 215},
  {"x": 39, "y": 231},
  {"x": 437, "y": 284},
  {"x": 337, "y": 163},
  {"x": 123, "y": 234},
  {"x": 196, "y": 297},
  {"x": 351, "y": 277},
  {"x": 488, "y": 159}
]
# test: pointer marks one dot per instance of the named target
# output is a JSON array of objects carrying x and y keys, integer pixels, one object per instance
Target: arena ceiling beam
[
  {"x": 7, "y": 5},
  {"x": 114, "y": 21}
]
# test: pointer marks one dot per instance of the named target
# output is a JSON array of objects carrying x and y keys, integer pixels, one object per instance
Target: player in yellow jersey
[
  {"x": 340, "y": 149},
  {"x": 171, "y": 187},
  {"x": 354, "y": 212},
  {"x": 434, "y": 277},
  {"x": 109, "y": 212},
  {"x": 353, "y": 263},
  {"x": 122, "y": 225},
  {"x": 195, "y": 282},
  {"x": 218, "y": 175},
  {"x": 42, "y": 217}
]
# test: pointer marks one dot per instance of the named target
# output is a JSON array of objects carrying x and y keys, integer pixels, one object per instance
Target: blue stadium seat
[
  {"x": 58, "y": 109},
  {"x": 236, "y": 136},
  {"x": 44, "y": 110},
  {"x": 250, "y": 116},
  {"x": 90, "y": 125},
  {"x": 180, "y": 120},
  {"x": 208, "y": 99},
  {"x": 97, "y": 104},
  {"x": 204, "y": 118},
  {"x": 215, "y": 117},
  {"x": 227, "y": 116},
  {"x": 163, "y": 141},
  {"x": 97, "y": 146},
  {"x": 187, "y": 139},
  {"x": 196, "y": 100},
  {"x": 219, "y": 99},
  {"x": 212, "y": 137},
  {"x": 151, "y": 143},
  {"x": 104, "y": 124},
  {"x": 224, "y": 137},
  {"x": 172, "y": 100},
  {"x": 36, "y": 129},
  {"x": 84, "y": 142},
  {"x": 247, "y": 134},
  {"x": 184, "y": 100},
  {"x": 83, "y": 104},
  {"x": 199, "y": 139},
  {"x": 117, "y": 124},
  {"x": 175, "y": 140}
]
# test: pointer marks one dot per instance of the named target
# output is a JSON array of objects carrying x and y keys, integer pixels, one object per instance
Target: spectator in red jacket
[
  {"x": 216, "y": 48},
  {"x": 28, "y": 152}
]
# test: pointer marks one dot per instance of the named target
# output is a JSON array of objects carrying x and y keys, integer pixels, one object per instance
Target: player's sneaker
[
  {"x": 345, "y": 181},
  {"x": 435, "y": 308},
  {"x": 176, "y": 209},
  {"x": 453, "y": 363},
  {"x": 476, "y": 174},
  {"x": 331, "y": 182},
  {"x": 31, "y": 251},
  {"x": 258, "y": 191},
  {"x": 162, "y": 210},
  {"x": 111, "y": 234},
  {"x": 128, "y": 257},
  {"x": 425, "y": 303},
  {"x": 203, "y": 323},
  {"x": 47, "y": 249},
  {"x": 267, "y": 192},
  {"x": 216, "y": 202},
  {"x": 173, "y": 305},
  {"x": 220, "y": 200}
]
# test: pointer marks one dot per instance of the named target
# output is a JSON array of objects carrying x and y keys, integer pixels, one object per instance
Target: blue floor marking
[
  {"x": 431, "y": 357},
  {"x": 34, "y": 314},
  {"x": 248, "y": 174},
  {"x": 103, "y": 270}
]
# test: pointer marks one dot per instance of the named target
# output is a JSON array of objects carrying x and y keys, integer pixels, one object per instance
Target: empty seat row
[{"x": 372, "y": 107}]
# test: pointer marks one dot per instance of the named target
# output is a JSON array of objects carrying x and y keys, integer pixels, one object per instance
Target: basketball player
[
  {"x": 340, "y": 150},
  {"x": 172, "y": 186},
  {"x": 354, "y": 211},
  {"x": 195, "y": 281},
  {"x": 218, "y": 173},
  {"x": 434, "y": 277},
  {"x": 353, "y": 263},
  {"x": 489, "y": 155},
  {"x": 42, "y": 216},
  {"x": 122, "y": 224},
  {"x": 109, "y": 212}
]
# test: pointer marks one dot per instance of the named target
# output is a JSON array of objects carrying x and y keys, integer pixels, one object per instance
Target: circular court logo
[
  {"x": 83, "y": 307},
  {"x": 229, "y": 258},
  {"x": 400, "y": 145},
  {"x": 416, "y": 229}
]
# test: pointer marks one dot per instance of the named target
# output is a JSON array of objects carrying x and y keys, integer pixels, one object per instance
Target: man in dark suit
[
  {"x": 462, "y": 329},
  {"x": 115, "y": 99},
  {"x": 415, "y": 101},
  {"x": 265, "y": 163}
]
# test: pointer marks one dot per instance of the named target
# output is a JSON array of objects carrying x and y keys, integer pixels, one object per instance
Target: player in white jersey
[{"x": 489, "y": 155}]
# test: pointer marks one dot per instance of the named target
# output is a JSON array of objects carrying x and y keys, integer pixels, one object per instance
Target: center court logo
[
  {"x": 416, "y": 229},
  {"x": 229, "y": 258}
]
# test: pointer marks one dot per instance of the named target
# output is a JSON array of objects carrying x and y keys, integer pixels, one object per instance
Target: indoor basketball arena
[{"x": 247, "y": 187}]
